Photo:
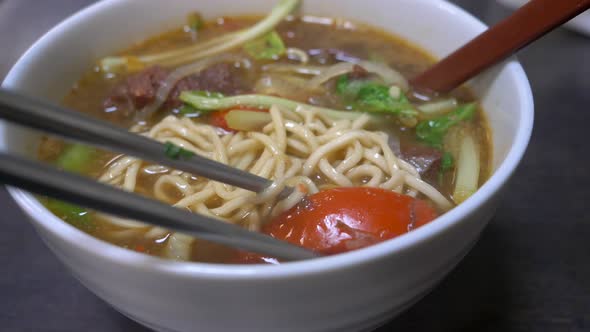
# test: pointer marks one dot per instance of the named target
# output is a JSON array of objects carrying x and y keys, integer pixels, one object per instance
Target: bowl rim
[{"x": 125, "y": 258}]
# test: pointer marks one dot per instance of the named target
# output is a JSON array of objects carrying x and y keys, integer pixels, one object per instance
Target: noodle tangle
[{"x": 302, "y": 149}]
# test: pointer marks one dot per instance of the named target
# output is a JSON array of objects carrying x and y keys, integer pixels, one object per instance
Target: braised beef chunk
[
  {"x": 222, "y": 77},
  {"x": 358, "y": 73},
  {"x": 140, "y": 89},
  {"x": 427, "y": 160}
]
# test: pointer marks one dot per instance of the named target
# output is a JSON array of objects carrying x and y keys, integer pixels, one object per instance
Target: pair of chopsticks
[{"x": 41, "y": 179}]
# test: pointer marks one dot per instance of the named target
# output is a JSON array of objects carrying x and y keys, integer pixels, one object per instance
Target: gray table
[{"x": 529, "y": 272}]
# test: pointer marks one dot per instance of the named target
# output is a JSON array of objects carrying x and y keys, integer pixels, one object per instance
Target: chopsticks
[
  {"x": 76, "y": 126},
  {"x": 48, "y": 181},
  {"x": 41, "y": 179}
]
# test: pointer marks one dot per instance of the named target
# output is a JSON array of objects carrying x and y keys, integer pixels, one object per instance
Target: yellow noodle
[{"x": 292, "y": 150}]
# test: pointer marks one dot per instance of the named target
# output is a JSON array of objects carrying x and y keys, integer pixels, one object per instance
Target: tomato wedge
[
  {"x": 217, "y": 119},
  {"x": 343, "y": 219}
]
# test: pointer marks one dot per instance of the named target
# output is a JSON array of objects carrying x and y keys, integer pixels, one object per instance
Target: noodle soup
[{"x": 318, "y": 104}]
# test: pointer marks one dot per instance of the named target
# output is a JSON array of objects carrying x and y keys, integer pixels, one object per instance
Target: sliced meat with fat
[
  {"x": 137, "y": 90},
  {"x": 222, "y": 77},
  {"x": 427, "y": 160},
  {"x": 140, "y": 89}
]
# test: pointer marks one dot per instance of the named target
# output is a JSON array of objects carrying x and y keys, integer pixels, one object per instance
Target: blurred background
[{"x": 529, "y": 272}]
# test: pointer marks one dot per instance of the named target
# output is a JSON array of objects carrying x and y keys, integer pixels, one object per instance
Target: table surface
[{"x": 529, "y": 272}]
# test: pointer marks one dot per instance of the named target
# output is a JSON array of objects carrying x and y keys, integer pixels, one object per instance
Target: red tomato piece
[
  {"x": 217, "y": 119},
  {"x": 343, "y": 219}
]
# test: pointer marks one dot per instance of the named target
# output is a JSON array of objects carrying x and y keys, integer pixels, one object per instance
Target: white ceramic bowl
[{"x": 348, "y": 292}]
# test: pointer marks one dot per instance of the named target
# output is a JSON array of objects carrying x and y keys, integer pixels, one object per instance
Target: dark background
[{"x": 529, "y": 272}]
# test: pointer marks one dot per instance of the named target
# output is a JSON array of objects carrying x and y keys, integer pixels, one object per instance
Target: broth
[{"x": 326, "y": 41}]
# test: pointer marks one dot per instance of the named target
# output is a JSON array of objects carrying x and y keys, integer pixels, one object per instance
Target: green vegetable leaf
[
  {"x": 188, "y": 110},
  {"x": 192, "y": 111},
  {"x": 208, "y": 94},
  {"x": 75, "y": 158},
  {"x": 368, "y": 96},
  {"x": 349, "y": 88},
  {"x": 75, "y": 215},
  {"x": 376, "y": 98},
  {"x": 266, "y": 102},
  {"x": 174, "y": 151},
  {"x": 269, "y": 47},
  {"x": 195, "y": 21},
  {"x": 432, "y": 132},
  {"x": 447, "y": 162},
  {"x": 342, "y": 84}
]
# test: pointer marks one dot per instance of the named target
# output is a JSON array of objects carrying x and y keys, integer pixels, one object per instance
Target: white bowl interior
[{"x": 48, "y": 71}]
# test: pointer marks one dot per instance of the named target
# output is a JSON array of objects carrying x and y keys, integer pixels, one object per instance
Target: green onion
[
  {"x": 447, "y": 162},
  {"x": 176, "y": 152},
  {"x": 194, "y": 21},
  {"x": 188, "y": 110},
  {"x": 269, "y": 47},
  {"x": 208, "y": 94},
  {"x": 75, "y": 158},
  {"x": 432, "y": 131},
  {"x": 75, "y": 215}
]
